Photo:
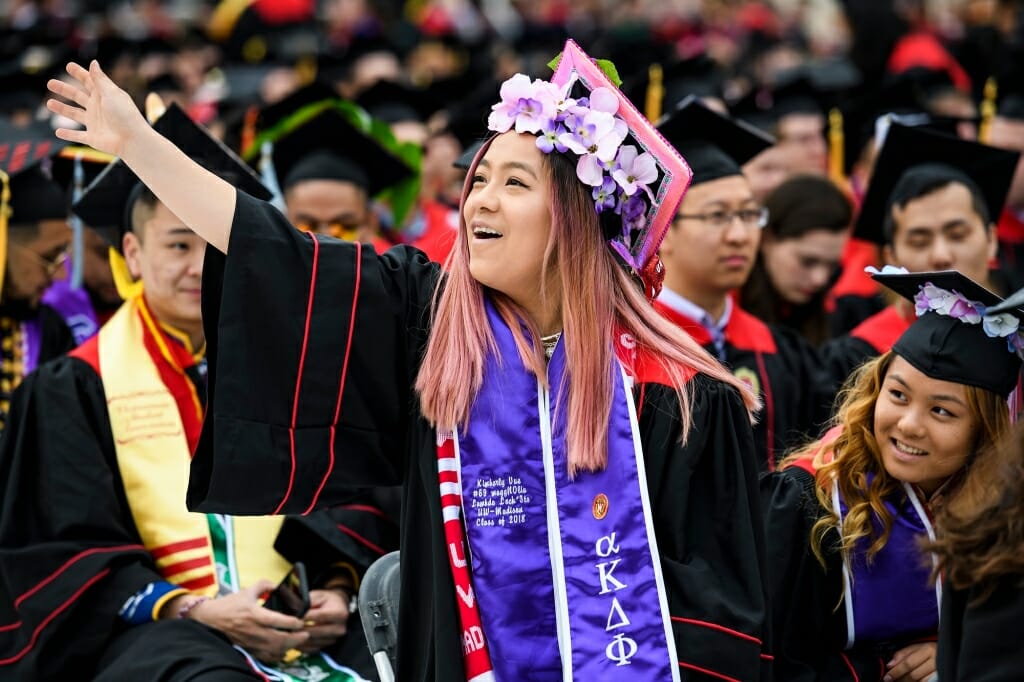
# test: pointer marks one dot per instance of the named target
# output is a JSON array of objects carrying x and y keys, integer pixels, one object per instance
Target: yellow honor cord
[{"x": 5, "y": 214}]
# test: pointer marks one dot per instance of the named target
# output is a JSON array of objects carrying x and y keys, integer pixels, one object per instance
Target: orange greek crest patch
[{"x": 600, "y": 507}]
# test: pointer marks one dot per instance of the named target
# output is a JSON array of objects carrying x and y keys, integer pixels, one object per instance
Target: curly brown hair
[
  {"x": 981, "y": 531},
  {"x": 855, "y": 454}
]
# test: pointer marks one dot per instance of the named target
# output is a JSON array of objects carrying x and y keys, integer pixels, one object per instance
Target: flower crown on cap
[
  {"x": 630, "y": 168},
  {"x": 951, "y": 303}
]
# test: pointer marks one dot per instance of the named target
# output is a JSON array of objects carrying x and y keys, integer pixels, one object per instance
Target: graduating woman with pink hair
[{"x": 579, "y": 479}]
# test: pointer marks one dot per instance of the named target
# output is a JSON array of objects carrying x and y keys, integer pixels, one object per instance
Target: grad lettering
[
  {"x": 472, "y": 640},
  {"x": 606, "y": 546},
  {"x": 607, "y": 578},
  {"x": 458, "y": 556}
]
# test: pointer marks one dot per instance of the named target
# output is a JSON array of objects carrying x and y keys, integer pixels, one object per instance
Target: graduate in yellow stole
[{"x": 105, "y": 574}]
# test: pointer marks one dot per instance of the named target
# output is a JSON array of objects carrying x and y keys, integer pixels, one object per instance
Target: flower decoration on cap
[
  {"x": 631, "y": 170},
  {"x": 954, "y": 304},
  {"x": 587, "y": 127}
]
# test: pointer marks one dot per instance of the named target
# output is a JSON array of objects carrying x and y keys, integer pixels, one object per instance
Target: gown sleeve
[
  {"x": 709, "y": 530},
  {"x": 313, "y": 346},
  {"x": 69, "y": 553},
  {"x": 808, "y": 623}
]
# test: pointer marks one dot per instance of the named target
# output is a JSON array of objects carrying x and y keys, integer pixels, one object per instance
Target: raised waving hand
[{"x": 113, "y": 124}]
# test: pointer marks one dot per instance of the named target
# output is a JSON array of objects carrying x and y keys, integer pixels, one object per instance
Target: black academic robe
[
  {"x": 70, "y": 554},
  {"x": 314, "y": 347},
  {"x": 55, "y": 339},
  {"x": 809, "y": 621},
  {"x": 781, "y": 368},
  {"x": 980, "y": 642}
]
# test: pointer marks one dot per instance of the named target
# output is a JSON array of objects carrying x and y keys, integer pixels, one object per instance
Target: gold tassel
[
  {"x": 5, "y": 214},
  {"x": 155, "y": 108},
  {"x": 127, "y": 287},
  {"x": 836, "y": 151},
  {"x": 305, "y": 69},
  {"x": 988, "y": 109},
  {"x": 655, "y": 92}
]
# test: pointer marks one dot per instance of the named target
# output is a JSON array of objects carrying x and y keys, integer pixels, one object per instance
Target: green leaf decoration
[
  {"x": 606, "y": 66},
  {"x": 609, "y": 70},
  {"x": 401, "y": 198}
]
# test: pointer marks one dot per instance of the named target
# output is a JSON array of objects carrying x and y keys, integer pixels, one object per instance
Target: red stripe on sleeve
[
  {"x": 298, "y": 377},
  {"x": 341, "y": 381}
]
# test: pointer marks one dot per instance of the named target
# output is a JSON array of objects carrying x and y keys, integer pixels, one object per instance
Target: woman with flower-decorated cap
[
  {"x": 847, "y": 514},
  {"x": 579, "y": 481}
]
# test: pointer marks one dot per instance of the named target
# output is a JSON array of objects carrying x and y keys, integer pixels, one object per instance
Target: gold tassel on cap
[
  {"x": 988, "y": 109},
  {"x": 127, "y": 287},
  {"x": 836, "y": 151},
  {"x": 655, "y": 92},
  {"x": 5, "y": 214}
]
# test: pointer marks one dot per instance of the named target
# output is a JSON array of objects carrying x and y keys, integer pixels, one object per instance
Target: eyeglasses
[
  {"x": 748, "y": 217},
  {"x": 51, "y": 264},
  {"x": 338, "y": 230}
]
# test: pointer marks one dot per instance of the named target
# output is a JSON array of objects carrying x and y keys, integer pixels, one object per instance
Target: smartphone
[{"x": 291, "y": 597}]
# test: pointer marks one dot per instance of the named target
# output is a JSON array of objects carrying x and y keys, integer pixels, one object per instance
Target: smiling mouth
[
  {"x": 906, "y": 449},
  {"x": 486, "y": 233}
]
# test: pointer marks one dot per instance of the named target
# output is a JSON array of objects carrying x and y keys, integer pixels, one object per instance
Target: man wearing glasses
[
  {"x": 709, "y": 252},
  {"x": 38, "y": 241}
]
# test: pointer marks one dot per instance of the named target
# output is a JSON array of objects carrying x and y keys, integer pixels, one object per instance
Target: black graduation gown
[
  {"x": 70, "y": 554},
  {"x": 277, "y": 312},
  {"x": 55, "y": 339},
  {"x": 981, "y": 642},
  {"x": 780, "y": 366},
  {"x": 809, "y": 622}
]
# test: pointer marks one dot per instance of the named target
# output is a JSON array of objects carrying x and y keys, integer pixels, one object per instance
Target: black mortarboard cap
[
  {"x": 1013, "y": 301},
  {"x": 23, "y": 153},
  {"x": 465, "y": 160},
  {"x": 106, "y": 201},
  {"x": 311, "y": 93},
  {"x": 715, "y": 146},
  {"x": 63, "y": 167},
  {"x": 393, "y": 102},
  {"x": 1011, "y": 88},
  {"x": 946, "y": 348},
  {"x": 699, "y": 76},
  {"x": 21, "y": 92},
  {"x": 909, "y": 152},
  {"x": 328, "y": 147}
]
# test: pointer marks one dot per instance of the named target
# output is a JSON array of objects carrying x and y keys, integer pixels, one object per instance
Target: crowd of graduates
[{"x": 843, "y": 273}]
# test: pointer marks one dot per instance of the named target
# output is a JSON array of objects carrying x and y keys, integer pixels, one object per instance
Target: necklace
[{"x": 549, "y": 342}]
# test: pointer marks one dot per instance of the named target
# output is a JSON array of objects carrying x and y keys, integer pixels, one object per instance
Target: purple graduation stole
[
  {"x": 75, "y": 307},
  {"x": 566, "y": 574},
  {"x": 32, "y": 331},
  {"x": 891, "y": 598}
]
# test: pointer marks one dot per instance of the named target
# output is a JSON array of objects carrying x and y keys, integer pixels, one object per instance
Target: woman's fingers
[
  {"x": 75, "y": 136},
  {"x": 80, "y": 74},
  {"x": 67, "y": 91},
  {"x": 74, "y": 113}
]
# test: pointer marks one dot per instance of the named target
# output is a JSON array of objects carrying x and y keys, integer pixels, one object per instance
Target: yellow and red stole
[{"x": 155, "y": 417}]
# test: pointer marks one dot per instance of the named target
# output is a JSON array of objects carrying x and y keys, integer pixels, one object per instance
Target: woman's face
[
  {"x": 923, "y": 426},
  {"x": 801, "y": 267},
  {"x": 508, "y": 218}
]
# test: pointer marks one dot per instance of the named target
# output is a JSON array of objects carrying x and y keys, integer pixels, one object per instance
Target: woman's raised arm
[{"x": 113, "y": 124}]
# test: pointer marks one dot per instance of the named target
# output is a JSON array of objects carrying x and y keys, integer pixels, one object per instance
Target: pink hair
[{"x": 604, "y": 300}]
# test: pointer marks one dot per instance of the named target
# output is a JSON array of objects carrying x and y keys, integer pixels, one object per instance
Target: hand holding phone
[{"x": 291, "y": 596}]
